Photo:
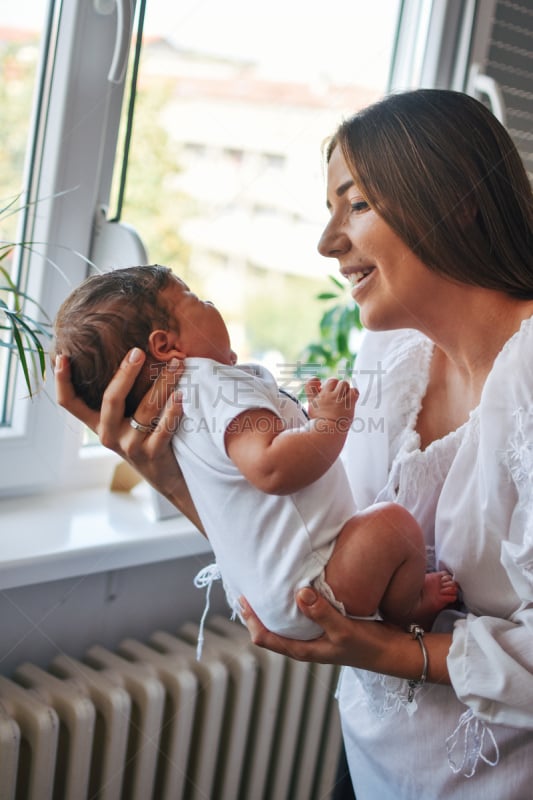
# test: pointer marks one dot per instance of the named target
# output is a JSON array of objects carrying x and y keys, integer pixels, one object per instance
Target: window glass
[
  {"x": 225, "y": 178},
  {"x": 22, "y": 29}
]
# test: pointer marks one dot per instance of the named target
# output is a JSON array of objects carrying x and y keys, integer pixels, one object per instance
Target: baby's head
[
  {"x": 103, "y": 318},
  {"x": 146, "y": 307}
]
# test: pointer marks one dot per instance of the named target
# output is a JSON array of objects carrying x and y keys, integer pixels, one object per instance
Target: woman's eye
[{"x": 359, "y": 205}]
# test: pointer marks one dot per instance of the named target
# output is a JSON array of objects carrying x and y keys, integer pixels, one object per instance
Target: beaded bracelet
[{"x": 418, "y": 633}]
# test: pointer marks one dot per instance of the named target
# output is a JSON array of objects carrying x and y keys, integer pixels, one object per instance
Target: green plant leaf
[
  {"x": 340, "y": 318},
  {"x": 18, "y": 309},
  {"x": 26, "y": 342},
  {"x": 22, "y": 333},
  {"x": 22, "y": 357},
  {"x": 338, "y": 283},
  {"x": 5, "y": 250}
]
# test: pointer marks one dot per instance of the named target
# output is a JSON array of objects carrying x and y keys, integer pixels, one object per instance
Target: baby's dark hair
[{"x": 103, "y": 318}]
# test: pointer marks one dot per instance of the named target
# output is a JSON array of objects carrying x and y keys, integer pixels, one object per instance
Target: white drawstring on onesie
[{"x": 204, "y": 579}]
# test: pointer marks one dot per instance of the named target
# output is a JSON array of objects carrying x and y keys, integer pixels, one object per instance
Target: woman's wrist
[
  {"x": 417, "y": 632},
  {"x": 393, "y": 651},
  {"x": 178, "y": 494}
]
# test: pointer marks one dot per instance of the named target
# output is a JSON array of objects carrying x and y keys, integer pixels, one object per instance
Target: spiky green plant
[{"x": 20, "y": 332}]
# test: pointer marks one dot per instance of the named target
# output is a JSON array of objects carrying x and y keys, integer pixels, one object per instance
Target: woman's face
[{"x": 391, "y": 286}]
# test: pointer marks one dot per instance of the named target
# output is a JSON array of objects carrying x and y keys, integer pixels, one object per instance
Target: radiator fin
[
  {"x": 150, "y": 722},
  {"x": 39, "y": 733},
  {"x": 112, "y": 704}
]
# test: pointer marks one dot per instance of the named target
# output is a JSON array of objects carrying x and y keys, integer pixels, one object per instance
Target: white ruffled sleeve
[
  {"x": 491, "y": 657},
  {"x": 491, "y": 667}
]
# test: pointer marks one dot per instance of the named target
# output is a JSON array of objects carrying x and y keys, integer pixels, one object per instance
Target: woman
[{"x": 432, "y": 224}]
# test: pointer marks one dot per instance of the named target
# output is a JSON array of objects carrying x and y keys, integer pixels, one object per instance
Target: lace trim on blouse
[
  {"x": 472, "y": 740},
  {"x": 518, "y": 457},
  {"x": 385, "y": 694},
  {"x": 518, "y": 460},
  {"x": 410, "y": 381},
  {"x": 412, "y": 365}
]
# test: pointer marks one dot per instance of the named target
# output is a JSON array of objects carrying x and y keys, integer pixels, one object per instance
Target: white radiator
[{"x": 149, "y": 722}]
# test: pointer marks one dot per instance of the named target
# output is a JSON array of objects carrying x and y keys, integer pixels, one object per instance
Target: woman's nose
[{"x": 333, "y": 242}]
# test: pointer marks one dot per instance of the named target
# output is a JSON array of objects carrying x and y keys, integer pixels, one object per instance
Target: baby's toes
[{"x": 448, "y": 586}]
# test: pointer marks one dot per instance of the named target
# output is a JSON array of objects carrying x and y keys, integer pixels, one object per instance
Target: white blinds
[{"x": 510, "y": 63}]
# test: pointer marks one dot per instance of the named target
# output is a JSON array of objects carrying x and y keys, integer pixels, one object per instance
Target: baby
[{"x": 264, "y": 476}]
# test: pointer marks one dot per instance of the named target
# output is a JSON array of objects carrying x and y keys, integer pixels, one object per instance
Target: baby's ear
[{"x": 164, "y": 345}]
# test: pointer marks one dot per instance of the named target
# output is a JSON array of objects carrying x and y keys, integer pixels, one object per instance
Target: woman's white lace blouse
[{"x": 472, "y": 493}]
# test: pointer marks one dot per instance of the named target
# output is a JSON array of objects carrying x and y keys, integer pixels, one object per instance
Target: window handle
[
  {"x": 481, "y": 84},
  {"x": 123, "y": 35},
  {"x": 119, "y": 62}
]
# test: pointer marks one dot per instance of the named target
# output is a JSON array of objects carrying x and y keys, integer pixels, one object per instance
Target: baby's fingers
[
  {"x": 312, "y": 388},
  {"x": 352, "y": 396},
  {"x": 346, "y": 394}
]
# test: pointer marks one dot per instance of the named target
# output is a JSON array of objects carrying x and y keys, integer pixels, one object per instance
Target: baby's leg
[{"x": 379, "y": 561}]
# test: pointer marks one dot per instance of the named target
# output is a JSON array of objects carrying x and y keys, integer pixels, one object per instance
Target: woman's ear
[{"x": 165, "y": 345}]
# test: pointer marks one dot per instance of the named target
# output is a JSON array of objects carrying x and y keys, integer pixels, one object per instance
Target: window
[
  {"x": 22, "y": 81},
  {"x": 502, "y": 53},
  {"x": 224, "y": 177},
  {"x": 225, "y": 156},
  {"x": 74, "y": 127}
]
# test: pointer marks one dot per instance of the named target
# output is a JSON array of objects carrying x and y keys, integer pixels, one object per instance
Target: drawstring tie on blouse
[{"x": 475, "y": 733}]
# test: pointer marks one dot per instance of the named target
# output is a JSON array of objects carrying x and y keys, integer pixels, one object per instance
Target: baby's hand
[{"x": 334, "y": 401}]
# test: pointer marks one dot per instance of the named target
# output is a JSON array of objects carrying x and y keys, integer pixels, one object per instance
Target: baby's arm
[{"x": 279, "y": 461}]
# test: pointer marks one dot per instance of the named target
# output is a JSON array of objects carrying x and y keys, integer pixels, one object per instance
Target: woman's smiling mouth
[{"x": 356, "y": 277}]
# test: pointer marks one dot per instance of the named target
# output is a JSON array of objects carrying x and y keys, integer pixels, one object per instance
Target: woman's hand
[
  {"x": 333, "y": 647},
  {"x": 366, "y": 644},
  {"x": 149, "y": 453}
]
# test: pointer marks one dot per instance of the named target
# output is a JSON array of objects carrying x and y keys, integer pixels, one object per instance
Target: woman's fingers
[
  {"x": 146, "y": 447},
  {"x": 157, "y": 417},
  {"x": 160, "y": 409},
  {"x": 157, "y": 408},
  {"x": 167, "y": 422},
  {"x": 330, "y": 648},
  {"x": 316, "y": 607},
  {"x": 111, "y": 426},
  {"x": 261, "y": 636},
  {"x": 67, "y": 397}
]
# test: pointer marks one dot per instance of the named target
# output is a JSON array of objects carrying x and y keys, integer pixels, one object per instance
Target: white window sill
[{"x": 64, "y": 534}]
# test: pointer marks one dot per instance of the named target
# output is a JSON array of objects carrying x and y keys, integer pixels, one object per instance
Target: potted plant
[
  {"x": 336, "y": 349},
  {"x": 24, "y": 325}
]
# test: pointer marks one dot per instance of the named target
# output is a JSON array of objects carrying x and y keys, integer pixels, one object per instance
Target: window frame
[
  {"x": 77, "y": 154},
  {"x": 78, "y": 133}
]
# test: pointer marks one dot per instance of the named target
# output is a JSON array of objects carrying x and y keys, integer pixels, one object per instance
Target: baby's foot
[
  {"x": 440, "y": 590},
  {"x": 449, "y": 589}
]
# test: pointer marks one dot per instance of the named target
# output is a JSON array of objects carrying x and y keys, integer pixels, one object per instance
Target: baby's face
[{"x": 202, "y": 330}]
